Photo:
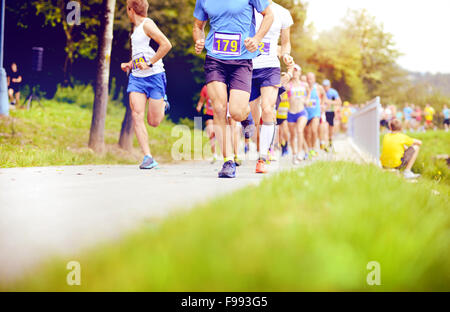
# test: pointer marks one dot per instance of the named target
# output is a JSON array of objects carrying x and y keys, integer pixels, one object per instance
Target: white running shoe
[{"x": 408, "y": 174}]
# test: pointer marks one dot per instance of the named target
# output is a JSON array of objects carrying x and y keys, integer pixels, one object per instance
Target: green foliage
[
  {"x": 257, "y": 240},
  {"x": 81, "y": 95},
  {"x": 435, "y": 143}
]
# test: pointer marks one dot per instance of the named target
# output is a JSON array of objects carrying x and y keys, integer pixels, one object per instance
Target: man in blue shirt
[
  {"x": 446, "y": 113},
  {"x": 407, "y": 113},
  {"x": 231, "y": 45},
  {"x": 332, "y": 103}
]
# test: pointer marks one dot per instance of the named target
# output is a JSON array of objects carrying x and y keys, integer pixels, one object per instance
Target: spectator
[
  {"x": 345, "y": 116},
  {"x": 399, "y": 151},
  {"x": 407, "y": 113},
  {"x": 14, "y": 83}
]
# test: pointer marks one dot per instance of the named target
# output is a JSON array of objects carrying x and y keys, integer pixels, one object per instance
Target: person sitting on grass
[{"x": 399, "y": 151}]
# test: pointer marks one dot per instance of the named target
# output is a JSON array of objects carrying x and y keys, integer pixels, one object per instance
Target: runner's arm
[
  {"x": 198, "y": 34},
  {"x": 252, "y": 43},
  {"x": 152, "y": 31},
  {"x": 286, "y": 46},
  {"x": 200, "y": 103}
]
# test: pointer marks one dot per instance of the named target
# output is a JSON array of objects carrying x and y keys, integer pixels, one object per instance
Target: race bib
[
  {"x": 227, "y": 44},
  {"x": 311, "y": 103},
  {"x": 264, "y": 48},
  {"x": 139, "y": 58}
]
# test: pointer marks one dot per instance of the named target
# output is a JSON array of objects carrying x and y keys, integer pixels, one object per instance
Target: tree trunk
[
  {"x": 127, "y": 131},
  {"x": 96, "y": 138}
]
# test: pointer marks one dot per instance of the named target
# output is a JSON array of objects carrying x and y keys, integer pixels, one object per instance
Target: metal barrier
[{"x": 364, "y": 130}]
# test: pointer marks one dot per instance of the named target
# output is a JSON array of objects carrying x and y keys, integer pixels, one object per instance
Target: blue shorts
[
  {"x": 293, "y": 118},
  {"x": 154, "y": 87},
  {"x": 264, "y": 77}
]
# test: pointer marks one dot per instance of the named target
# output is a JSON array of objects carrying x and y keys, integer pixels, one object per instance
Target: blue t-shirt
[
  {"x": 446, "y": 112},
  {"x": 332, "y": 94},
  {"x": 231, "y": 23},
  {"x": 407, "y": 111}
]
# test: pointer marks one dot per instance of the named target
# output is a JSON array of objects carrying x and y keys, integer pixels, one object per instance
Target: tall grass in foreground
[{"x": 312, "y": 229}]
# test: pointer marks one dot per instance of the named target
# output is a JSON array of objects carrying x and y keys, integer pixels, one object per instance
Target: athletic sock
[
  {"x": 149, "y": 155},
  {"x": 265, "y": 139},
  {"x": 227, "y": 159}
]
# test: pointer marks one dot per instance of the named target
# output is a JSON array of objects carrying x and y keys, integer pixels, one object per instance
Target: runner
[
  {"x": 266, "y": 78},
  {"x": 147, "y": 82},
  {"x": 407, "y": 114},
  {"x": 446, "y": 114},
  {"x": 429, "y": 116},
  {"x": 418, "y": 117},
  {"x": 332, "y": 103},
  {"x": 346, "y": 112},
  {"x": 282, "y": 114},
  {"x": 313, "y": 110},
  {"x": 299, "y": 94},
  {"x": 231, "y": 45},
  {"x": 208, "y": 114},
  {"x": 14, "y": 82}
]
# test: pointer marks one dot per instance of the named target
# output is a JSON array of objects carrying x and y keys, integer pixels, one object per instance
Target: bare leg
[
  {"x": 137, "y": 103},
  {"x": 293, "y": 134},
  {"x": 314, "y": 132},
  {"x": 217, "y": 91},
  {"x": 301, "y": 123},
  {"x": 210, "y": 133},
  {"x": 413, "y": 158}
]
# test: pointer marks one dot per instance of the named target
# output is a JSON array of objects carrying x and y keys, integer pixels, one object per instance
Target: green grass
[
  {"x": 59, "y": 134},
  {"x": 434, "y": 143},
  {"x": 313, "y": 229}
]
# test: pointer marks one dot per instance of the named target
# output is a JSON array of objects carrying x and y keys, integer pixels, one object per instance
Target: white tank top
[{"x": 143, "y": 49}]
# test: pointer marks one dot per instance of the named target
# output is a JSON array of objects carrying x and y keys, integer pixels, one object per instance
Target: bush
[{"x": 81, "y": 95}]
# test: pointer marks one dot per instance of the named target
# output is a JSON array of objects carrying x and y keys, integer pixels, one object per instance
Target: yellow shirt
[
  {"x": 346, "y": 113},
  {"x": 429, "y": 112},
  {"x": 283, "y": 109},
  {"x": 394, "y": 148}
]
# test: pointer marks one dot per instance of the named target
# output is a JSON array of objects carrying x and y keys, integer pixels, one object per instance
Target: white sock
[{"x": 265, "y": 139}]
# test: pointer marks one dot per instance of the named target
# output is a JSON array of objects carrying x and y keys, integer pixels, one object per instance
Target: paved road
[{"x": 61, "y": 210}]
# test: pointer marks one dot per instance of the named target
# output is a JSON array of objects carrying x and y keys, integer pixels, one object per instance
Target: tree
[{"x": 96, "y": 138}]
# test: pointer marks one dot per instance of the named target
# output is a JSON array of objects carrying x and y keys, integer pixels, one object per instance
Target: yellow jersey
[
  {"x": 393, "y": 149},
  {"x": 429, "y": 113},
  {"x": 283, "y": 109}
]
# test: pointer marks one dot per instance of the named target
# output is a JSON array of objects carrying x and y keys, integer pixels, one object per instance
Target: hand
[
  {"x": 198, "y": 108},
  {"x": 288, "y": 60},
  {"x": 199, "y": 46},
  {"x": 251, "y": 44},
  {"x": 126, "y": 66},
  {"x": 142, "y": 66}
]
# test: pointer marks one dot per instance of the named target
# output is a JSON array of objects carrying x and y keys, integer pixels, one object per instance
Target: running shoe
[
  {"x": 284, "y": 150},
  {"x": 148, "y": 163},
  {"x": 312, "y": 153},
  {"x": 213, "y": 161},
  {"x": 306, "y": 157},
  {"x": 248, "y": 127},
  {"x": 237, "y": 161},
  {"x": 228, "y": 170},
  {"x": 408, "y": 174},
  {"x": 261, "y": 167},
  {"x": 167, "y": 108},
  {"x": 247, "y": 149}
]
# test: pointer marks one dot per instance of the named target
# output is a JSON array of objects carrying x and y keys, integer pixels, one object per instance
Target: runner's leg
[
  {"x": 137, "y": 104},
  {"x": 217, "y": 91}
]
